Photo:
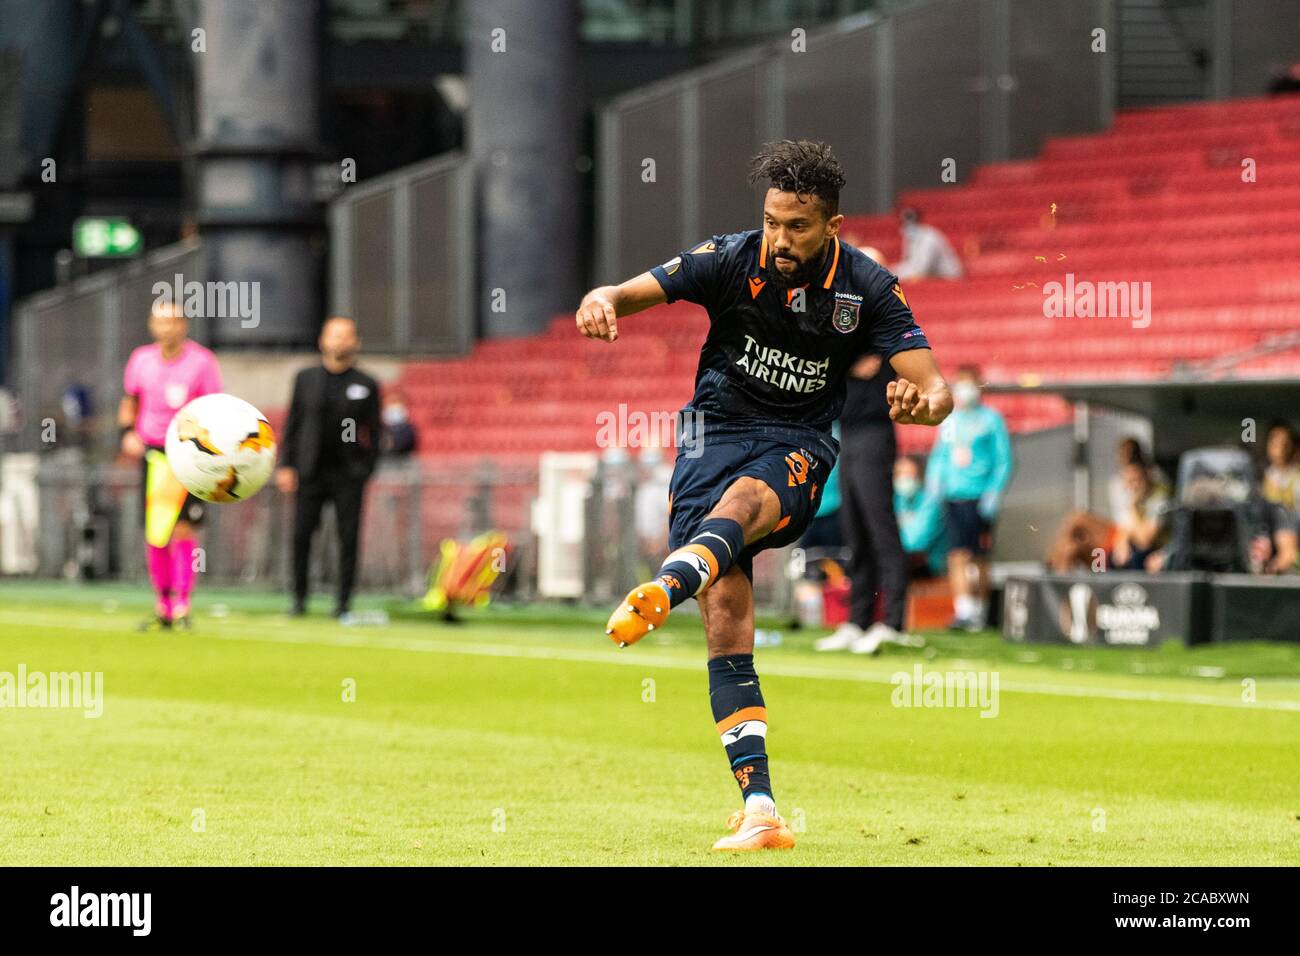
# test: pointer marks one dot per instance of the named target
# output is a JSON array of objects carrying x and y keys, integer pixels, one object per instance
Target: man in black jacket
[
  {"x": 878, "y": 566},
  {"x": 331, "y": 445}
]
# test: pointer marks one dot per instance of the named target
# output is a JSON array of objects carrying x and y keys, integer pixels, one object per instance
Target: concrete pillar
[
  {"x": 523, "y": 134},
  {"x": 258, "y": 90}
]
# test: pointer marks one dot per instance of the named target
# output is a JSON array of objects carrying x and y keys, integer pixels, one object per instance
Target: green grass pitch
[{"x": 525, "y": 737}]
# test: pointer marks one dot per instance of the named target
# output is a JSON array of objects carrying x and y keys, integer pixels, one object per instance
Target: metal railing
[
  {"x": 81, "y": 334},
  {"x": 403, "y": 258},
  {"x": 89, "y": 524}
]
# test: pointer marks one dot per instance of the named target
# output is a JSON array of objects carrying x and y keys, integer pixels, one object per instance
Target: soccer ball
[{"x": 221, "y": 448}]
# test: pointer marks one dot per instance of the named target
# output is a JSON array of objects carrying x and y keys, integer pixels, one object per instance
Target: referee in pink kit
[{"x": 159, "y": 380}]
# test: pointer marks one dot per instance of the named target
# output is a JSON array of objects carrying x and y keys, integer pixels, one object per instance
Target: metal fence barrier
[
  {"x": 80, "y": 335},
  {"x": 90, "y": 525},
  {"x": 403, "y": 260}
]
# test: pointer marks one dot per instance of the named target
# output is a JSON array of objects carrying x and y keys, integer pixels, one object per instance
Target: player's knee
[{"x": 184, "y": 531}]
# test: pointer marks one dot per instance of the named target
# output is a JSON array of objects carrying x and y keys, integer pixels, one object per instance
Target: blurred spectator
[
  {"x": 927, "y": 253},
  {"x": 1141, "y": 526},
  {"x": 1081, "y": 538},
  {"x": 920, "y": 521},
  {"x": 10, "y": 412},
  {"x": 1269, "y": 533},
  {"x": 824, "y": 531},
  {"x": 874, "y": 254},
  {"x": 824, "y": 559},
  {"x": 397, "y": 436},
  {"x": 1128, "y": 450},
  {"x": 877, "y": 566},
  {"x": 1274, "y": 546},
  {"x": 1281, "y": 483},
  {"x": 78, "y": 415},
  {"x": 969, "y": 470},
  {"x": 651, "y": 504},
  {"x": 1286, "y": 81}
]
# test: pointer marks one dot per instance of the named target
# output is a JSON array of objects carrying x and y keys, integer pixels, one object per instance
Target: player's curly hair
[{"x": 802, "y": 166}]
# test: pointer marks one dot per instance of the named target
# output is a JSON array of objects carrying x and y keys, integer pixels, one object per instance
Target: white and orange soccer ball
[{"x": 221, "y": 448}]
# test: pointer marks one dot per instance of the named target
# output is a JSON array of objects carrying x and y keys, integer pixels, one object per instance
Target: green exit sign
[{"x": 96, "y": 237}]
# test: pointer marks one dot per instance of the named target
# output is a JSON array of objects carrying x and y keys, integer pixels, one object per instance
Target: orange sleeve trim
[
  {"x": 780, "y": 524},
  {"x": 835, "y": 262},
  {"x": 740, "y": 716},
  {"x": 762, "y": 254}
]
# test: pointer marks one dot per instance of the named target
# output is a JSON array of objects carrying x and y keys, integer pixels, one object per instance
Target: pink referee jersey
[{"x": 162, "y": 387}]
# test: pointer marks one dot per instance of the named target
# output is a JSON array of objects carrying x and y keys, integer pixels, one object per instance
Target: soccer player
[
  {"x": 159, "y": 379},
  {"x": 791, "y": 307}
]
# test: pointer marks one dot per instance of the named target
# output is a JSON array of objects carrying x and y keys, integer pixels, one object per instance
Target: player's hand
[
  {"x": 132, "y": 444},
  {"x": 597, "y": 319},
  {"x": 908, "y": 406},
  {"x": 286, "y": 480}
]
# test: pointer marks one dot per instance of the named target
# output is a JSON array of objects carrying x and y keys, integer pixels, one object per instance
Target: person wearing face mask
[
  {"x": 397, "y": 438},
  {"x": 920, "y": 521},
  {"x": 927, "y": 253},
  {"x": 968, "y": 471}
]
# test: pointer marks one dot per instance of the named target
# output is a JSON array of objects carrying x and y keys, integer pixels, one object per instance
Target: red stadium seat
[{"x": 1160, "y": 198}]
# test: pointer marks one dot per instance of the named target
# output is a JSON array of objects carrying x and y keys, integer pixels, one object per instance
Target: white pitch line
[{"x": 640, "y": 659}]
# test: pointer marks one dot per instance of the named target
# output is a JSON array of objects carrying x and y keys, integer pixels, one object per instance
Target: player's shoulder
[
  {"x": 863, "y": 272},
  {"x": 731, "y": 245}
]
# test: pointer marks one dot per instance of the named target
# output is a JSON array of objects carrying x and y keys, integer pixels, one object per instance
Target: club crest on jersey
[{"x": 845, "y": 318}]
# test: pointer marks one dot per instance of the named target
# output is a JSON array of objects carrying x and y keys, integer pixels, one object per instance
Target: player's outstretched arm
[
  {"x": 597, "y": 316},
  {"x": 920, "y": 396}
]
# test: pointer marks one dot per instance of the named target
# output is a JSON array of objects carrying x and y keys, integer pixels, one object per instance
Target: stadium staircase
[{"x": 1158, "y": 198}]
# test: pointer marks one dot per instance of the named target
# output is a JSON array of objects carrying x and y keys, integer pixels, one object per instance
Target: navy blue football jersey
[{"x": 776, "y": 359}]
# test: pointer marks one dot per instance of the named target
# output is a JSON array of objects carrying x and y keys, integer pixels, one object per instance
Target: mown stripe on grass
[{"x": 628, "y": 658}]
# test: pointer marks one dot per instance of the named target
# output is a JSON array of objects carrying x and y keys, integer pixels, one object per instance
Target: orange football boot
[
  {"x": 756, "y": 831},
  {"x": 645, "y": 608}
]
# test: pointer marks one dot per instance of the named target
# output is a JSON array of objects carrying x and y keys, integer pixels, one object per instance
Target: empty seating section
[{"x": 1202, "y": 202}]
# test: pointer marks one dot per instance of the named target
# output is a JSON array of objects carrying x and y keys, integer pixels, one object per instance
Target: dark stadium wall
[{"x": 1015, "y": 72}]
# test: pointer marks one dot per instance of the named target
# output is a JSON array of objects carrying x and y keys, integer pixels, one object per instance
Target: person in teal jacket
[
  {"x": 920, "y": 518},
  {"x": 969, "y": 469}
]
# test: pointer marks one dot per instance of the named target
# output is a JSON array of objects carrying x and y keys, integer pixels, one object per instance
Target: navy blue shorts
[
  {"x": 967, "y": 529},
  {"x": 698, "y": 484}
]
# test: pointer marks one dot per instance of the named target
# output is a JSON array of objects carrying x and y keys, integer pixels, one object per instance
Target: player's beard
[{"x": 804, "y": 272}]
